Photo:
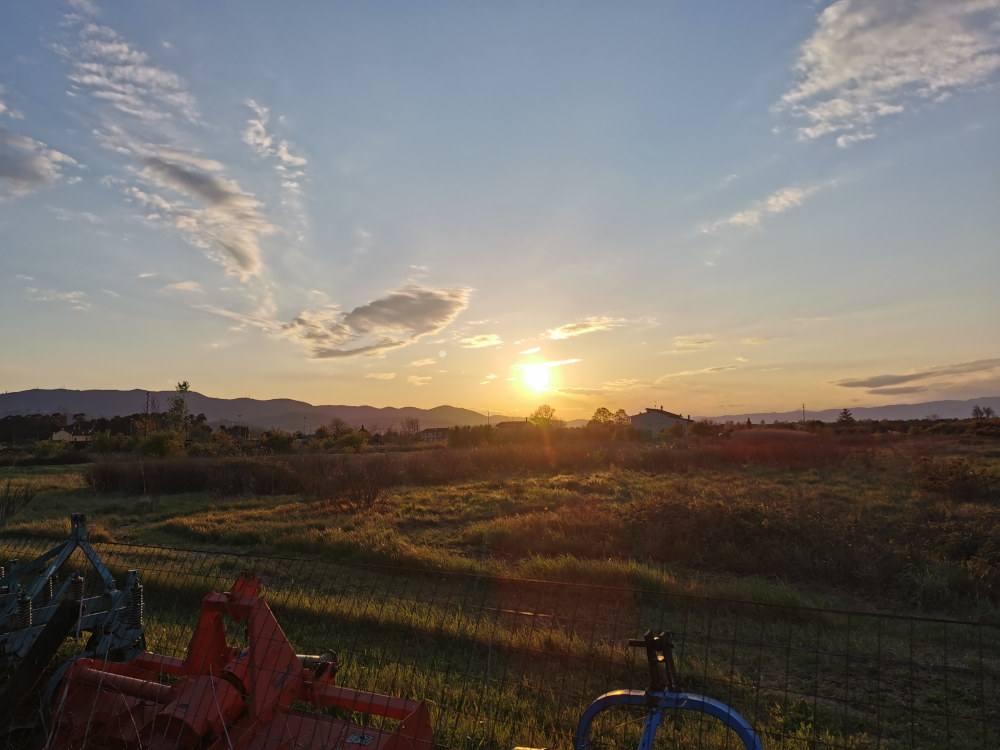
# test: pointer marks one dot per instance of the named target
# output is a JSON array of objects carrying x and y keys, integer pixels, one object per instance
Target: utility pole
[{"x": 803, "y": 413}]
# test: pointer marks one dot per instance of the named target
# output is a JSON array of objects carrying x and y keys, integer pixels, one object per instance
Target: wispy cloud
[
  {"x": 83, "y": 6},
  {"x": 185, "y": 286},
  {"x": 418, "y": 380},
  {"x": 27, "y": 165},
  {"x": 264, "y": 143},
  {"x": 694, "y": 342},
  {"x": 481, "y": 341},
  {"x": 75, "y": 299},
  {"x": 172, "y": 186},
  {"x": 5, "y": 110},
  {"x": 549, "y": 364},
  {"x": 189, "y": 193},
  {"x": 899, "y": 390},
  {"x": 703, "y": 371},
  {"x": 112, "y": 71},
  {"x": 612, "y": 386},
  {"x": 381, "y": 376},
  {"x": 869, "y": 59},
  {"x": 488, "y": 379},
  {"x": 531, "y": 350},
  {"x": 398, "y": 319},
  {"x": 425, "y": 362},
  {"x": 591, "y": 324},
  {"x": 290, "y": 167},
  {"x": 777, "y": 203},
  {"x": 899, "y": 383}
]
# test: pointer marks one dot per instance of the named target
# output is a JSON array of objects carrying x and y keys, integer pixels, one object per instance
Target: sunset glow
[
  {"x": 536, "y": 377},
  {"x": 324, "y": 205}
]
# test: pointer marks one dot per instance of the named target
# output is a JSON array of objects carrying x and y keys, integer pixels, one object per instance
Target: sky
[{"x": 714, "y": 207}]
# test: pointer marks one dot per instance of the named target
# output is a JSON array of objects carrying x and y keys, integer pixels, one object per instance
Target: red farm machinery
[{"x": 261, "y": 695}]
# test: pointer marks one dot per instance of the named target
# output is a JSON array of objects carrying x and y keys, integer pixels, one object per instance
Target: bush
[
  {"x": 171, "y": 476},
  {"x": 957, "y": 479},
  {"x": 161, "y": 444}
]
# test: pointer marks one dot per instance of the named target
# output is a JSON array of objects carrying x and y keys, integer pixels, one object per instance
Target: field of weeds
[
  {"x": 900, "y": 524},
  {"x": 429, "y": 577}
]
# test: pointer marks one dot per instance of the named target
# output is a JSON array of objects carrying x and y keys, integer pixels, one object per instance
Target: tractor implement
[
  {"x": 30, "y": 597},
  {"x": 261, "y": 697},
  {"x": 37, "y": 615}
]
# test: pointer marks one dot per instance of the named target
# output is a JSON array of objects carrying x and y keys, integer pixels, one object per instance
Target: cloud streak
[
  {"x": 481, "y": 341},
  {"x": 113, "y": 72},
  {"x": 694, "y": 342},
  {"x": 189, "y": 193},
  {"x": 289, "y": 167},
  {"x": 27, "y": 165},
  {"x": 870, "y": 59},
  {"x": 898, "y": 383},
  {"x": 689, "y": 373},
  {"x": 75, "y": 299},
  {"x": 778, "y": 202},
  {"x": 400, "y": 318},
  {"x": 591, "y": 324}
]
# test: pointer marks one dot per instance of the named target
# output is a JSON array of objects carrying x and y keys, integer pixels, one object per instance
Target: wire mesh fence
[{"x": 505, "y": 662}]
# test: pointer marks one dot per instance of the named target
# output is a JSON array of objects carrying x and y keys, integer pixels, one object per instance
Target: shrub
[
  {"x": 175, "y": 475},
  {"x": 161, "y": 444},
  {"x": 957, "y": 479}
]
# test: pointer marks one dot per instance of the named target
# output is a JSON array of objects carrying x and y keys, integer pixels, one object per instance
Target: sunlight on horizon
[{"x": 536, "y": 377}]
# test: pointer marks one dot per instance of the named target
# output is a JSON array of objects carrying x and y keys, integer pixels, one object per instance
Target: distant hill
[
  {"x": 282, "y": 413},
  {"x": 289, "y": 414},
  {"x": 941, "y": 409}
]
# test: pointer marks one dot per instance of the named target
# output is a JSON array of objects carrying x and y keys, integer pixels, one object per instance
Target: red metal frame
[{"x": 224, "y": 698}]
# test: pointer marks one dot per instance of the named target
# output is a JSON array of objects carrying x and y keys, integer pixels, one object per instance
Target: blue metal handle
[{"x": 665, "y": 701}]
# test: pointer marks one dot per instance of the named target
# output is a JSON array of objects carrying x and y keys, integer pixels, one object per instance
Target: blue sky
[{"x": 716, "y": 207}]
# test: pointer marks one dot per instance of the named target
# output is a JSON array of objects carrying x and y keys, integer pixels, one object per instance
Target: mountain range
[
  {"x": 941, "y": 409},
  {"x": 283, "y": 413},
  {"x": 289, "y": 414}
]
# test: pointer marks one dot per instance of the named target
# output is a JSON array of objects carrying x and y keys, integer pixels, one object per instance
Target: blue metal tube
[{"x": 665, "y": 701}]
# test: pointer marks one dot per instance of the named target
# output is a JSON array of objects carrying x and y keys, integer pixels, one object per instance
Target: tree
[
  {"x": 178, "y": 411},
  {"x": 977, "y": 412},
  {"x": 410, "y": 426},
  {"x": 988, "y": 412},
  {"x": 845, "y": 417},
  {"x": 339, "y": 427},
  {"x": 622, "y": 418},
  {"x": 602, "y": 416},
  {"x": 543, "y": 416}
]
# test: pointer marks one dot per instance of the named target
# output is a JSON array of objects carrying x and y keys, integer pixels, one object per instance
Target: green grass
[
  {"x": 861, "y": 531},
  {"x": 507, "y": 661}
]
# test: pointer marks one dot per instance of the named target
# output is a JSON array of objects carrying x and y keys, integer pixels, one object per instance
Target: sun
[{"x": 535, "y": 377}]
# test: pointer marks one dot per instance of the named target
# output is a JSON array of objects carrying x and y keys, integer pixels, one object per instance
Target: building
[
  {"x": 433, "y": 435},
  {"x": 63, "y": 436},
  {"x": 655, "y": 420}
]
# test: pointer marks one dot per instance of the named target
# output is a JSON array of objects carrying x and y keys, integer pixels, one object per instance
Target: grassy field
[
  {"x": 895, "y": 526},
  {"x": 426, "y": 594}
]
